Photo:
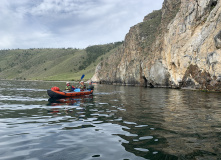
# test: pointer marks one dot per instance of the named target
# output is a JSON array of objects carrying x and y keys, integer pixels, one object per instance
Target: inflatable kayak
[{"x": 56, "y": 93}]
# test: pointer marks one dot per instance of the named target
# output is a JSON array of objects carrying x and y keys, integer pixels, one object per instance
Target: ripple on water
[
  {"x": 97, "y": 122},
  {"x": 146, "y": 137},
  {"x": 142, "y": 149},
  {"x": 132, "y": 123},
  {"x": 141, "y": 126},
  {"x": 103, "y": 103},
  {"x": 21, "y": 98}
]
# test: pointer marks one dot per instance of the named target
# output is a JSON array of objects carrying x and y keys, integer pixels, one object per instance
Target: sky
[{"x": 69, "y": 23}]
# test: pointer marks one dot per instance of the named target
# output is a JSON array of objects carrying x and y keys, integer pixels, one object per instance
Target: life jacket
[
  {"x": 68, "y": 88},
  {"x": 82, "y": 87}
]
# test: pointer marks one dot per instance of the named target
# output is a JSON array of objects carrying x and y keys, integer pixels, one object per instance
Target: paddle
[{"x": 81, "y": 79}]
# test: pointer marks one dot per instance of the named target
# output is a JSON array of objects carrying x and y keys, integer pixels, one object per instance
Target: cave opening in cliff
[{"x": 213, "y": 4}]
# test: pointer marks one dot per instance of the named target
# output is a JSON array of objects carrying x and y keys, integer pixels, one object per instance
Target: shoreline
[{"x": 135, "y": 85}]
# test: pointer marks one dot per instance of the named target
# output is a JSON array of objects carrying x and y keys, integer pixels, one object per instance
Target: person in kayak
[
  {"x": 82, "y": 86},
  {"x": 68, "y": 87},
  {"x": 73, "y": 87},
  {"x": 90, "y": 87}
]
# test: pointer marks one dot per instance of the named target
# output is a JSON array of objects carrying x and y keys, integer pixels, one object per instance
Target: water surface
[{"x": 116, "y": 123}]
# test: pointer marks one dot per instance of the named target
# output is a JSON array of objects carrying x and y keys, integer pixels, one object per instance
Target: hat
[{"x": 67, "y": 82}]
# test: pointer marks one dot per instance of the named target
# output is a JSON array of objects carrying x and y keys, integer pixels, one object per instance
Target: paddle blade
[{"x": 82, "y": 76}]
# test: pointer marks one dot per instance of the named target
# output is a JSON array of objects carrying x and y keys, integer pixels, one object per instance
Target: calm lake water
[{"x": 116, "y": 123}]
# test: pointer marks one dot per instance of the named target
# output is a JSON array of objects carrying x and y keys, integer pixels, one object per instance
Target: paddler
[
  {"x": 90, "y": 87},
  {"x": 82, "y": 87},
  {"x": 68, "y": 87}
]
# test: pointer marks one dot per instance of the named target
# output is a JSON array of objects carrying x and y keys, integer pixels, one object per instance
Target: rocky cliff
[{"x": 178, "y": 46}]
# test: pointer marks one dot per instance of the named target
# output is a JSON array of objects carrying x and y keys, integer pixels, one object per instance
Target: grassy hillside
[{"x": 52, "y": 64}]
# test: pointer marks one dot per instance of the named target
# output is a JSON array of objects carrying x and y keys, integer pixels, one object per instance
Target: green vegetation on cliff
[
  {"x": 150, "y": 27},
  {"x": 52, "y": 64}
]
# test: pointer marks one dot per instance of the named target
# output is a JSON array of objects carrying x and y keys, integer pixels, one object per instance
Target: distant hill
[{"x": 53, "y": 64}]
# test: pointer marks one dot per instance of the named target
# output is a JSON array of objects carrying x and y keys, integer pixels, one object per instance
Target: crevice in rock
[{"x": 145, "y": 81}]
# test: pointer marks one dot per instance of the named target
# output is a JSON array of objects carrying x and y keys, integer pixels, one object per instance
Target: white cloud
[
  {"x": 62, "y": 7},
  {"x": 69, "y": 23}
]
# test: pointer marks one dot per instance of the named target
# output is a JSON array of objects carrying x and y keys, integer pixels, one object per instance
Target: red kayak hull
[{"x": 61, "y": 94}]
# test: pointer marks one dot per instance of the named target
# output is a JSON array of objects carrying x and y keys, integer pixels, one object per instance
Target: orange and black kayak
[{"x": 55, "y": 93}]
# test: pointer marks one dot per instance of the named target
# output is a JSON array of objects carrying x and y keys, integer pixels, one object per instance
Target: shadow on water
[{"x": 117, "y": 122}]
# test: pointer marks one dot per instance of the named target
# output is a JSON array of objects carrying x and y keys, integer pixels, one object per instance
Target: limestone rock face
[{"x": 177, "y": 46}]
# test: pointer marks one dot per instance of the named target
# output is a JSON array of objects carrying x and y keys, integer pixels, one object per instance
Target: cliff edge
[{"x": 178, "y": 46}]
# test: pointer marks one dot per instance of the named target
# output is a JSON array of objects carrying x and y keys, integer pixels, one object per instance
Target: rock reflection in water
[
  {"x": 190, "y": 124},
  {"x": 185, "y": 124}
]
